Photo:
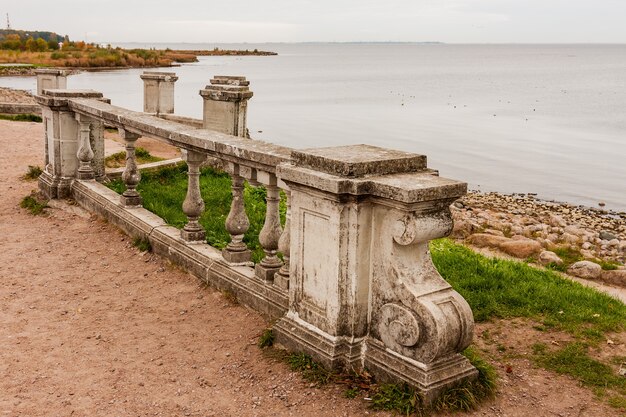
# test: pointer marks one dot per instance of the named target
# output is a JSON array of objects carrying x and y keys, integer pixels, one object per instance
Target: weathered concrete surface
[
  {"x": 356, "y": 161},
  {"x": 253, "y": 153},
  {"x": 363, "y": 290},
  {"x": 50, "y": 78},
  {"x": 19, "y": 108},
  {"x": 158, "y": 92},
  {"x": 226, "y": 105}
]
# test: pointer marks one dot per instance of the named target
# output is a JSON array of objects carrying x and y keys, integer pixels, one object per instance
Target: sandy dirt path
[{"x": 90, "y": 326}]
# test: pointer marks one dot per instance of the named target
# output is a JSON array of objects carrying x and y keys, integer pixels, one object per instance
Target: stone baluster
[
  {"x": 281, "y": 279},
  {"x": 237, "y": 223},
  {"x": 96, "y": 139},
  {"x": 271, "y": 231},
  {"x": 193, "y": 206},
  {"x": 85, "y": 153},
  {"x": 131, "y": 175}
]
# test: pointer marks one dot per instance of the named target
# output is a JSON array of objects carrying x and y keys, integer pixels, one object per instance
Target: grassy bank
[
  {"x": 496, "y": 289},
  {"x": 83, "y": 55}
]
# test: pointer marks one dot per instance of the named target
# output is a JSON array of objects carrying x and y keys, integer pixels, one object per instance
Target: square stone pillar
[
  {"x": 363, "y": 290},
  {"x": 61, "y": 136},
  {"x": 158, "y": 92},
  {"x": 50, "y": 78},
  {"x": 226, "y": 105}
]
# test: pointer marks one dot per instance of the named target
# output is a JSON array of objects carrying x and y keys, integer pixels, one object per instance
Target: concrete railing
[{"x": 356, "y": 287}]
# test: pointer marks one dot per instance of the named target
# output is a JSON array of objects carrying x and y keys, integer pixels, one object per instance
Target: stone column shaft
[
  {"x": 270, "y": 233},
  {"x": 237, "y": 223},
  {"x": 131, "y": 175},
  {"x": 281, "y": 279},
  {"x": 85, "y": 154},
  {"x": 193, "y": 206}
]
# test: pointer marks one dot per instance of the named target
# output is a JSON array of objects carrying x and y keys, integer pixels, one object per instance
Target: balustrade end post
[
  {"x": 226, "y": 105},
  {"x": 363, "y": 290},
  {"x": 61, "y": 135},
  {"x": 158, "y": 92}
]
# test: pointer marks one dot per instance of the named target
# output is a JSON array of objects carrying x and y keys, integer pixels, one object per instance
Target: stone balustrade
[{"x": 356, "y": 286}]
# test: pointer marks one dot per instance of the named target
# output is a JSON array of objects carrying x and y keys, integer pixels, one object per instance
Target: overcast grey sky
[{"x": 454, "y": 21}]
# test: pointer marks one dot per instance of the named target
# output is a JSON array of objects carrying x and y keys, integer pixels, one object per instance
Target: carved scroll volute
[
  {"x": 412, "y": 228},
  {"x": 420, "y": 316}
]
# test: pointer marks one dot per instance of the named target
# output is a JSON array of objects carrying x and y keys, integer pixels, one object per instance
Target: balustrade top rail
[{"x": 251, "y": 153}]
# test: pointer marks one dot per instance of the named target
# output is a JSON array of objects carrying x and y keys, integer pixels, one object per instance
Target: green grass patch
[
  {"x": 568, "y": 255},
  {"x": 32, "y": 173},
  {"x": 142, "y": 244},
  {"x": 310, "y": 370},
  {"x": 21, "y": 117},
  {"x": 399, "y": 398},
  {"x": 574, "y": 360},
  {"x": 266, "y": 339},
  {"x": 118, "y": 159},
  {"x": 163, "y": 192},
  {"x": 498, "y": 288},
  {"x": 34, "y": 204},
  {"x": 607, "y": 265}
]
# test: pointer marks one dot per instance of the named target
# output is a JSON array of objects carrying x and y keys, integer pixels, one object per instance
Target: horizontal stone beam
[{"x": 251, "y": 153}]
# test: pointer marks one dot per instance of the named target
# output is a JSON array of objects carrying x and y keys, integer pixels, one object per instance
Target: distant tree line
[{"x": 33, "y": 41}]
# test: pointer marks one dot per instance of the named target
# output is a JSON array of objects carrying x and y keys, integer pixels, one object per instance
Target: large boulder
[
  {"x": 521, "y": 248},
  {"x": 547, "y": 257},
  {"x": 585, "y": 269},
  {"x": 615, "y": 277},
  {"x": 482, "y": 240}
]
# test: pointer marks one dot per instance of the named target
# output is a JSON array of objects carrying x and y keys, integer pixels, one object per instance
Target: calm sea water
[{"x": 547, "y": 119}]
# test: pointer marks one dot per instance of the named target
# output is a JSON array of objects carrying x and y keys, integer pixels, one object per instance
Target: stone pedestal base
[
  {"x": 242, "y": 257},
  {"x": 131, "y": 201},
  {"x": 85, "y": 175},
  {"x": 55, "y": 187},
  {"x": 281, "y": 281},
  {"x": 429, "y": 379},
  {"x": 331, "y": 351},
  {"x": 265, "y": 273},
  {"x": 193, "y": 236},
  {"x": 387, "y": 366},
  {"x": 48, "y": 185}
]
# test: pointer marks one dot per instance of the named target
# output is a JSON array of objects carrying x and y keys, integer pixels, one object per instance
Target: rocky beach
[{"x": 582, "y": 241}]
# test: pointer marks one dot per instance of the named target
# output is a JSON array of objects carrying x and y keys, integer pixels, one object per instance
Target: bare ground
[{"x": 90, "y": 326}]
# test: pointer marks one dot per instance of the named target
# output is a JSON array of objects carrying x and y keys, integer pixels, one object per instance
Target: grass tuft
[
  {"x": 399, "y": 398},
  {"x": 266, "y": 339},
  {"x": 33, "y": 173},
  {"x": 231, "y": 297},
  {"x": 21, "y": 117},
  {"x": 310, "y": 370},
  {"x": 142, "y": 244},
  {"x": 118, "y": 159},
  {"x": 574, "y": 360},
  {"x": 34, "y": 204}
]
